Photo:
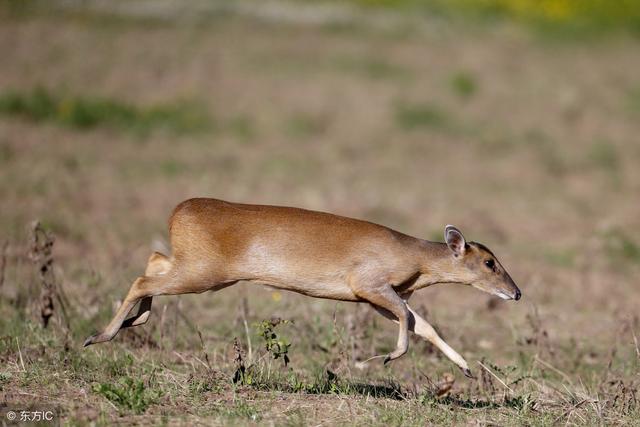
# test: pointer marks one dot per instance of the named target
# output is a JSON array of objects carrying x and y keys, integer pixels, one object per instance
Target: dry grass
[{"x": 527, "y": 146}]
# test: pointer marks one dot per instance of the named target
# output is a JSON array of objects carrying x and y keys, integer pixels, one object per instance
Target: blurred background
[{"x": 515, "y": 120}]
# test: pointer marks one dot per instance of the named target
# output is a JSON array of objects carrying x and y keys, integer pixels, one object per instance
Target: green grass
[
  {"x": 633, "y": 99},
  {"x": 464, "y": 85},
  {"x": 604, "y": 155},
  {"x": 128, "y": 393},
  {"x": 137, "y": 381},
  {"x": 565, "y": 258},
  {"x": 620, "y": 246},
  {"x": 371, "y": 67},
  {"x": 421, "y": 116},
  {"x": 559, "y": 17},
  {"x": 240, "y": 409},
  {"x": 302, "y": 125},
  {"x": 89, "y": 112}
]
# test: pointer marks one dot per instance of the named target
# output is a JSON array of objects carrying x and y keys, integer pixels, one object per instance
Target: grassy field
[{"x": 111, "y": 116}]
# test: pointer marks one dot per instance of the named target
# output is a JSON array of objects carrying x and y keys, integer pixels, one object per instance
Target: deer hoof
[{"x": 468, "y": 374}]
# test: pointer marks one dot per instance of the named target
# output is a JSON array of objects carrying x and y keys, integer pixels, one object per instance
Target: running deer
[{"x": 217, "y": 244}]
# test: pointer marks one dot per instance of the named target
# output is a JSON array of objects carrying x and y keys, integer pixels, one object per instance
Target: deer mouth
[{"x": 506, "y": 296}]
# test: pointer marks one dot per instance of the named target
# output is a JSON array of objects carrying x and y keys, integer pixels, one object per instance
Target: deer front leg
[
  {"x": 423, "y": 329},
  {"x": 385, "y": 298}
]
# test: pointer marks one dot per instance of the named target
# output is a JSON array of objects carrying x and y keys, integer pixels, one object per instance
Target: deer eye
[{"x": 491, "y": 265}]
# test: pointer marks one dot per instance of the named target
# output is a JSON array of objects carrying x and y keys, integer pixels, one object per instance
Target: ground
[{"x": 109, "y": 118}]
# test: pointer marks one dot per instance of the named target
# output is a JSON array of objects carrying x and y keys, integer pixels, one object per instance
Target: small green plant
[
  {"x": 604, "y": 156},
  {"x": 418, "y": 116},
  {"x": 242, "y": 127},
  {"x": 305, "y": 125},
  {"x": 373, "y": 68},
  {"x": 620, "y": 246},
  {"x": 277, "y": 346},
  {"x": 463, "y": 85},
  {"x": 241, "y": 409},
  {"x": 200, "y": 385},
  {"x": 128, "y": 394},
  {"x": 4, "y": 378},
  {"x": 82, "y": 112},
  {"x": 565, "y": 257}
]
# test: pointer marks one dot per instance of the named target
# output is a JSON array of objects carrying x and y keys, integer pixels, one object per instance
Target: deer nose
[{"x": 518, "y": 294}]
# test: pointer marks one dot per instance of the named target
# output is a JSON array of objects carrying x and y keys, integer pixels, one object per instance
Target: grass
[
  {"x": 621, "y": 247},
  {"x": 128, "y": 394},
  {"x": 371, "y": 67},
  {"x": 83, "y": 113},
  {"x": 633, "y": 99},
  {"x": 306, "y": 125},
  {"x": 501, "y": 394},
  {"x": 421, "y": 116},
  {"x": 559, "y": 17},
  {"x": 464, "y": 85},
  {"x": 145, "y": 381}
]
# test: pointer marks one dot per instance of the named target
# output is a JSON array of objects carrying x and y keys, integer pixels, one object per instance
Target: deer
[{"x": 216, "y": 244}]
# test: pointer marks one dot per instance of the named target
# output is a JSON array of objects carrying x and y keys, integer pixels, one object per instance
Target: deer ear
[{"x": 455, "y": 239}]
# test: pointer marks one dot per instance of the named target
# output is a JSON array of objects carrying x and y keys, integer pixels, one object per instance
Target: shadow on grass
[
  {"x": 329, "y": 383},
  {"x": 517, "y": 402},
  {"x": 324, "y": 383}
]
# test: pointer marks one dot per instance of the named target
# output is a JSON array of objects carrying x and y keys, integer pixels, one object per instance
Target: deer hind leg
[
  {"x": 158, "y": 265},
  {"x": 386, "y": 299},
  {"x": 142, "y": 290},
  {"x": 423, "y": 329}
]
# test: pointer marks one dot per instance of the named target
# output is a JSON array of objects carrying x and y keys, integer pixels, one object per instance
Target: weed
[
  {"x": 199, "y": 385},
  {"x": 557, "y": 17},
  {"x": 128, "y": 393},
  {"x": 306, "y": 125},
  {"x": 83, "y": 113},
  {"x": 371, "y": 67},
  {"x": 276, "y": 346},
  {"x": 464, "y": 85},
  {"x": 242, "y": 127},
  {"x": 242, "y": 375},
  {"x": 240, "y": 409},
  {"x": 620, "y": 246},
  {"x": 562, "y": 257},
  {"x": 42, "y": 257},
  {"x": 5, "y": 377},
  {"x": 604, "y": 156},
  {"x": 119, "y": 366},
  {"x": 172, "y": 168},
  {"x": 419, "y": 116}
]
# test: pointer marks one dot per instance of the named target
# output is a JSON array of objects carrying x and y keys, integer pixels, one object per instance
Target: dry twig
[
  {"x": 495, "y": 376},
  {"x": 41, "y": 255}
]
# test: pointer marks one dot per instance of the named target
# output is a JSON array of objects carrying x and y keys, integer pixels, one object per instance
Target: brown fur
[{"x": 216, "y": 244}]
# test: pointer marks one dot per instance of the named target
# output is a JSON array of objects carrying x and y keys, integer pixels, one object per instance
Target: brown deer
[{"x": 217, "y": 244}]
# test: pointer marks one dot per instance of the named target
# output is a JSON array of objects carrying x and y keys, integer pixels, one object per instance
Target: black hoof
[
  {"x": 93, "y": 339},
  {"x": 386, "y": 360},
  {"x": 88, "y": 341},
  {"x": 468, "y": 374}
]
